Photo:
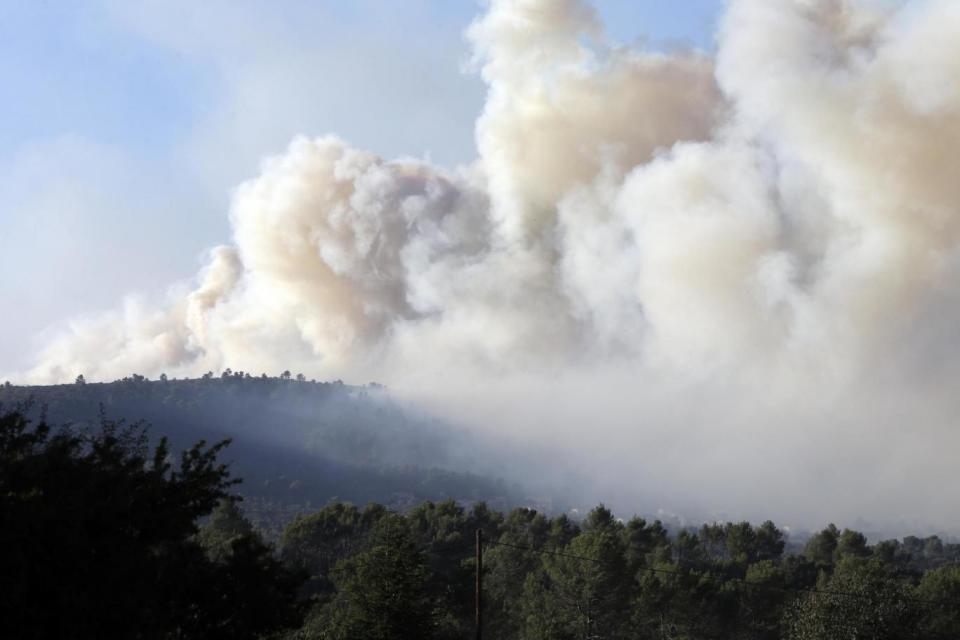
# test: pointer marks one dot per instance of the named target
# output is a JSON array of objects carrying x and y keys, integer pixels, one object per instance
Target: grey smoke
[{"x": 724, "y": 284}]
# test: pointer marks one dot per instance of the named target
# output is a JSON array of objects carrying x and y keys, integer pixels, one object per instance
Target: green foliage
[
  {"x": 858, "y": 601},
  {"x": 852, "y": 544},
  {"x": 603, "y": 578},
  {"x": 98, "y": 538},
  {"x": 762, "y": 602},
  {"x": 507, "y": 568},
  {"x": 316, "y": 543},
  {"x": 225, "y": 526},
  {"x": 940, "y": 592},
  {"x": 447, "y": 532},
  {"x": 576, "y": 598},
  {"x": 382, "y": 592},
  {"x": 103, "y": 534},
  {"x": 822, "y": 546}
]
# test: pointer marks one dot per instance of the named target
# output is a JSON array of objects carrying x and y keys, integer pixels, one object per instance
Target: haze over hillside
[
  {"x": 727, "y": 282},
  {"x": 296, "y": 444}
]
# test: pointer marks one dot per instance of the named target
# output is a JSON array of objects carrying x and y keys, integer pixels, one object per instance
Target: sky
[
  {"x": 127, "y": 124},
  {"x": 712, "y": 261}
]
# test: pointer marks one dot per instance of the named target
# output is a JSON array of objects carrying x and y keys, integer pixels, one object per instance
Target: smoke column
[{"x": 724, "y": 284}]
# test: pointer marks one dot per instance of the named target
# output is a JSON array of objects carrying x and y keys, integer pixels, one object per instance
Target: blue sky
[{"x": 126, "y": 123}]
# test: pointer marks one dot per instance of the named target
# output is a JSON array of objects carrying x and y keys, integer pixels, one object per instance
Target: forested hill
[
  {"x": 296, "y": 443},
  {"x": 102, "y": 536}
]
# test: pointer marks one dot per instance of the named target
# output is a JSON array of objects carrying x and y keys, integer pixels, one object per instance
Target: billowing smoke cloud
[{"x": 727, "y": 284}]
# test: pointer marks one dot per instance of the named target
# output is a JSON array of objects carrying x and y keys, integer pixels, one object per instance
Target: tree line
[{"x": 104, "y": 533}]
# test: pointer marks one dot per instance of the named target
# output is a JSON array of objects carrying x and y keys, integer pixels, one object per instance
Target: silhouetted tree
[{"x": 97, "y": 540}]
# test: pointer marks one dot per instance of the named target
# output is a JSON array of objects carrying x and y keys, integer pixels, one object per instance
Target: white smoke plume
[{"x": 728, "y": 284}]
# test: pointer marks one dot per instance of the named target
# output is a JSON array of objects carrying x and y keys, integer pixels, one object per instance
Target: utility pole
[{"x": 479, "y": 603}]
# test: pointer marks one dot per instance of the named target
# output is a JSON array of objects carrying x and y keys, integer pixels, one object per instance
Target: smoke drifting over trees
[{"x": 744, "y": 266}]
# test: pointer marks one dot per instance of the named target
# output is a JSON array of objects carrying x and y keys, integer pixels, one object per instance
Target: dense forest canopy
[{"x": 105, "y": 535}]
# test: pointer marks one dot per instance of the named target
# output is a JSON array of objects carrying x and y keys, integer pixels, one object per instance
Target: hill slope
[{"x": 295, "y": 443}]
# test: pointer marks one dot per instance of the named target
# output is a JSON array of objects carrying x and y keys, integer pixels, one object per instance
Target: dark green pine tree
[
  {"x": 858, "y": 601},
  {"x": 382, "y": 593},
  {"x": 586, "y": 592}
]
